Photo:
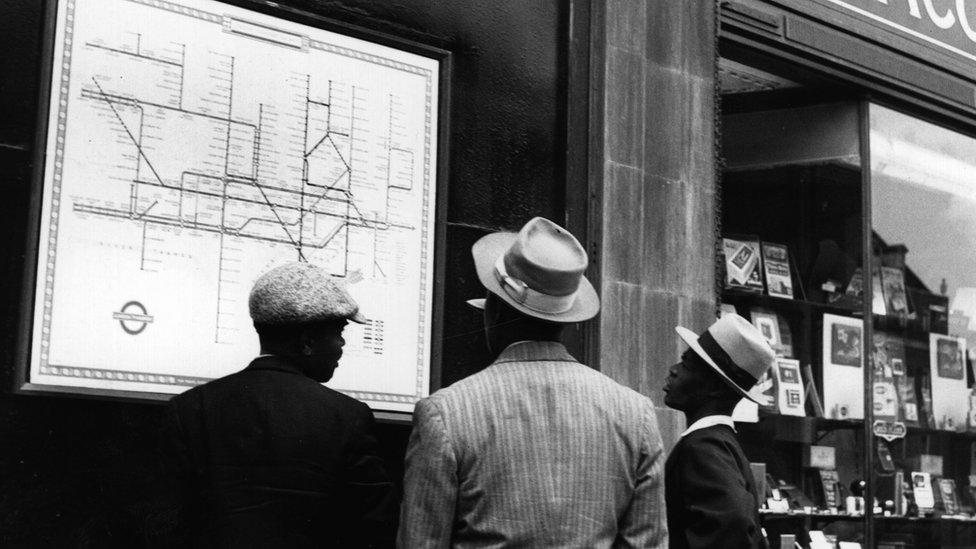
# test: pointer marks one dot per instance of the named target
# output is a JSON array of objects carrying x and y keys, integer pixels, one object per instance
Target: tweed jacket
[
  {"x": 537, "y": 450},
  {"x": 711, "y": 495},
  {"x": 268, "y": 457}
]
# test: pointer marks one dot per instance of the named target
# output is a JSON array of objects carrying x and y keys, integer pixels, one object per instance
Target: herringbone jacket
[{"x": 537, "y": 450}]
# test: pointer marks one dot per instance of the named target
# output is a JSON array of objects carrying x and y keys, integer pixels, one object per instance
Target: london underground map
[{"x": 194, "y": 145}]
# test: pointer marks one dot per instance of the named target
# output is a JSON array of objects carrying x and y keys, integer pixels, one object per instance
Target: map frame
[{"x": 27, "y": 317}]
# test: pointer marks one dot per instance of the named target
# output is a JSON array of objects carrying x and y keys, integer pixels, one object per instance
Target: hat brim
[
  {"x": 358, "y": 318},
  {"x": 691, "y": 338},
  {"x": 486, "y": 252}
]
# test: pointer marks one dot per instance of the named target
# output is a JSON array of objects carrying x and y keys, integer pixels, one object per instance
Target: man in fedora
[
  {"x": 270, "y": 457},
  {"x": 537, "y": 450},
  {"x": 711, "y": 496}
]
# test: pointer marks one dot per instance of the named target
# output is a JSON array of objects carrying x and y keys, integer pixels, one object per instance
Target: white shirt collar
[
  {"x": 510, "y": 345},
  {"x": 708, "y": 421}
]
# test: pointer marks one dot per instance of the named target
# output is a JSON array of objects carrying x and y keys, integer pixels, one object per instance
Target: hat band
[
  {"x": 532, "y": 299},
  {"x": 741, "y": 377}
]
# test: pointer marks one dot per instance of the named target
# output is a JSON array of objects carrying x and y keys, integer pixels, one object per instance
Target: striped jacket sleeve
[
  {"x": 645, "y": 522},
  {"x": 430, "y": 482}
]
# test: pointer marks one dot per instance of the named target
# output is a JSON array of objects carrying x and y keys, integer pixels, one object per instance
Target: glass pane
[
  {"x": 923, "y": 200},
  {"x": 792, "y": 239}
]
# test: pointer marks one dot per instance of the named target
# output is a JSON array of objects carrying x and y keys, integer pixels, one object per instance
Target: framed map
[{"x": 191, "y": 146}]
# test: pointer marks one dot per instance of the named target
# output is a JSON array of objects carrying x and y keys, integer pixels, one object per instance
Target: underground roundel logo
[{"x": 133, "y": 317}]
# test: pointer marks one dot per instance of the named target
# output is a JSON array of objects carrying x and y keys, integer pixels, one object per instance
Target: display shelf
[
  {"x": 909, "y": 329},
  {"x": 933, "y": 520},
  {"x": 794, "y": 429},
  {"x": 754, "y": 299},
  {"x": 928, "y": 431},
  {"x": 820, "y": 423},
  {"x": 828, "y": 424},
  {"x": 814, "y": 516}
]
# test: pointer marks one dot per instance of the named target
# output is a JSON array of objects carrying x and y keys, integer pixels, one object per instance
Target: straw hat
[
  {"x": 735, "y": 349},
  {"x": 538, "y": 271}
]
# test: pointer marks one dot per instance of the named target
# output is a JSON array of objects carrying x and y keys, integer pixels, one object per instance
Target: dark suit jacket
[
  {"x": 268, "y": 457},
  {"x": 710, "y": 493}
]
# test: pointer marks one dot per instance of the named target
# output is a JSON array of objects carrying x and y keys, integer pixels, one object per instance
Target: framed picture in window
[
  {"x": 843, "y": 360},
  {"x": 950, "y": 402}
]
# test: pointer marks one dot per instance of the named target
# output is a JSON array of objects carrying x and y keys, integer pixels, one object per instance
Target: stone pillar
[{"x": 653, "y": 185}]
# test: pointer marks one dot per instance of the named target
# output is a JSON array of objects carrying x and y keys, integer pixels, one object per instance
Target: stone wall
[{"x": 653, "y": 151}]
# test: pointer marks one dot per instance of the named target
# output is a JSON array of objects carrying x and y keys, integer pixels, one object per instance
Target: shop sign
[
  {"x": 889, "y": 430},
  {"x": 947, "y": 24}
]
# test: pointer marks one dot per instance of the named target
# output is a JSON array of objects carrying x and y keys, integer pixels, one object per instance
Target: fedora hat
[
  {"x": 735, "y": 349},
  {"x": 538, "y": 271}
]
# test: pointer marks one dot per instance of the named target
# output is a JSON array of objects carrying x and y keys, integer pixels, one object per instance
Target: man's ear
[
  {"x": 716, "y": 392},
  {"x": 714, "y": 387},
  {"x": 305, "y": 339}
]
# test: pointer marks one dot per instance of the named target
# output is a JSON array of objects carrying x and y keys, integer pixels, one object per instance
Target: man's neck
[
  {"x": 710, "y": 408},
  {"x": 503, "y": 343}
]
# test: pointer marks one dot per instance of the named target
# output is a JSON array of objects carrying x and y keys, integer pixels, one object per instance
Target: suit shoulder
[
  {"x": 709, "y": 445},
  {"x": 463, "y": 388},
  {"x": 347, "y": 402},
  {"x": 227, "y": 381},
  {"x": 513, "y": 376},
  {"x": 711, "y": 435},
  {"x": 193, "y": 395},
  {"x": 617, "y": 390}
]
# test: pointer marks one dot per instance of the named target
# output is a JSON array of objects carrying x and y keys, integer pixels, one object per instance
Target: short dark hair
[
  {"x": 530, "y": 327},
  {"x": 285, "y": 336}
]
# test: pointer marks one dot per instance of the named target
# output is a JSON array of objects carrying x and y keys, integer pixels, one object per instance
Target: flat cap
[{"x": 298, "y": 293}]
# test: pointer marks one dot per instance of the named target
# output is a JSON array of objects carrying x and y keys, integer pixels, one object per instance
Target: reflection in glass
[
  {"x": 924, "y": 197},
  {"x": 923, "y": 217}
]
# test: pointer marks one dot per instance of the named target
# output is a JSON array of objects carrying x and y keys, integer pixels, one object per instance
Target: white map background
[{"x": 193, "y": 146}]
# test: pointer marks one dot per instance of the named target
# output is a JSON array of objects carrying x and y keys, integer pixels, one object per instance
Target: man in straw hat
[
  {"x": 711, "y": 496},
  {"x": 270, "y": 457},
  {"x": 537, "y": 450}
]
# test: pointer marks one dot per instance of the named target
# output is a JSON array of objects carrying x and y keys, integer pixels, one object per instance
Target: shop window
[
  {"x": 923, "y": 219},
  {"x": 834, "y": 211}
]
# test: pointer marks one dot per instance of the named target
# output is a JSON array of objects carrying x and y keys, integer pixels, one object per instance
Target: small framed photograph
[
  {"x": 768, "y": 326},
  {"x": 843, "y": 358},
  {"x": 907, "y": 401},
  {"x": 776, "y": 266},
  {"x": 744, "y": 257},
  {"x": 949, "y": 358},
  {"x": 893, "y": 287},
  {"x": 743, "y": 263},
  {"x": 775, "y": 329},
  {"x": 788, "y": 374},
  {"x": 789, "y": 387},
  {"x": 950, "y": 499},
  {"x": 898, "y": 366},
  {"x": 845, "y": 344},
  {"x": 950, "y": 395},
  {"x": 922, "y": 487}
]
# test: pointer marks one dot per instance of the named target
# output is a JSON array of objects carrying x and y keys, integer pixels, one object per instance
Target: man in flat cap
[
  {"x": 270, "y": 457},
  {"x": 537, "y": 450},
  {"x": 712, "y": 497}
]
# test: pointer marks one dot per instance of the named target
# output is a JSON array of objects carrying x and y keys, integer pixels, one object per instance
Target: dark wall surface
[{"x": 82, "y": 472}]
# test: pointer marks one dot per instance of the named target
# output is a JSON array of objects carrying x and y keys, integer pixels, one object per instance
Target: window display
[
  {"x": 923, "y": 232},
  {"x": 877, "y": 372},
  {"x": 805, "y": 220}
]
